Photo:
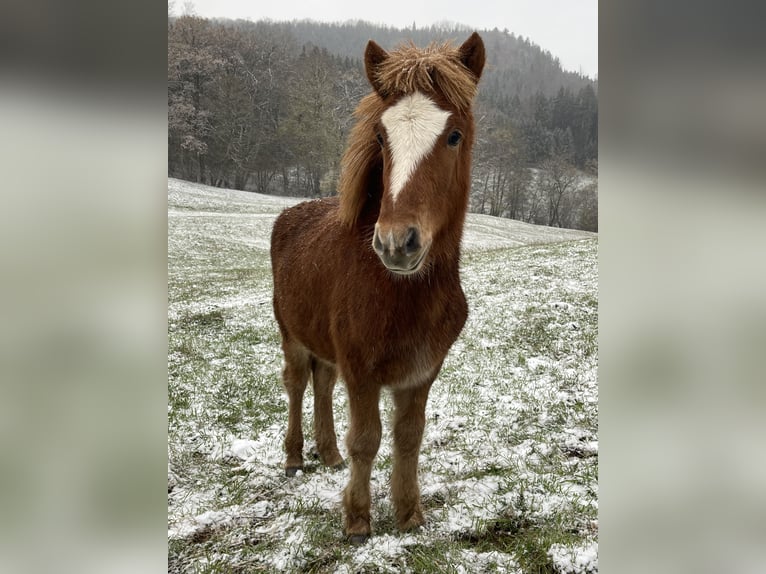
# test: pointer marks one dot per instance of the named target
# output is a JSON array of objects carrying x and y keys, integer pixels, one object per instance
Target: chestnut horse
[{"x": 367, "y": 284}]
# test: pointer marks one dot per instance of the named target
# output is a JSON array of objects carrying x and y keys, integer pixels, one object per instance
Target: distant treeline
[{"x": 267, "y": 106}]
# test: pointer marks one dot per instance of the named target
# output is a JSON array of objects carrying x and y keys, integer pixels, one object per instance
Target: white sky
[{"x": 566, "y": 28}]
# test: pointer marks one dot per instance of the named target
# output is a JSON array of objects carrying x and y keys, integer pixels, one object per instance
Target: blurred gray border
[{"x": 682, "y": 311}]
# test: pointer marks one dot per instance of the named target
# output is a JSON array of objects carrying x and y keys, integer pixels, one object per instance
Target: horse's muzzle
[{"x": 401, "y": 251}]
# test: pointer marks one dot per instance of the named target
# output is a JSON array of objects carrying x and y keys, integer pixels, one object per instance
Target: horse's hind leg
[
  {"x": 295, "y": 376},
  {"x": 324, "y": 376}
]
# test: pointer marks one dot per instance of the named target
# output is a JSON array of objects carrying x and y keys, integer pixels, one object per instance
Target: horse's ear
[
  {"x": 374, "y": 56},
  {"x": 472, "y": 55}
]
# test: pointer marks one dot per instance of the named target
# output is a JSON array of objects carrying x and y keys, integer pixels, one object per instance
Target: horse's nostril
[
  {"x": 412, "y": 243},
  {"x": 376, "y": 244}
]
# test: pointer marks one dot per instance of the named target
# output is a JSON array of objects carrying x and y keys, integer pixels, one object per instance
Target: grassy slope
[{"x": 509, "y": 459}]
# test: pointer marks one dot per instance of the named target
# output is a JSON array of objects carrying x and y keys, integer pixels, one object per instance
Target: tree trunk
[
  {"x": 285, "y": 181},
  {"x": 240, "y": 179},
  {"x": 201, "y": 168}
]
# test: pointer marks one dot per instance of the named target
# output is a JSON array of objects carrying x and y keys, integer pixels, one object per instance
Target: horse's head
[{"x": 425, "y": 133}]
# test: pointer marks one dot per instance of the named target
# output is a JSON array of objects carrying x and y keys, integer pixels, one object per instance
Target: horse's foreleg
[
  {"x": 409, "y": 421},
  {"x": 362, "y": 442},
  {"x": 295, "y": 377},
  {"x": 325, "y": 376}
]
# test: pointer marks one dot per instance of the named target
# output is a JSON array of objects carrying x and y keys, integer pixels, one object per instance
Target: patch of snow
[
  {"x": 260, "y": 509},
  {"x": 208, "y": 519},
  {"x": 265, "y": 451},
  {"x": 244, "y": 448},
  {"x": 486, "y": 562},
  {"x": 575, "y": 559},
  {"x": 477, "y": 502},
  {"x": 381, "y": 552},
  {"x": 291, "y": 556},
  {"x": 324, "y": 490},
  {"x": 534, "y": 363}
]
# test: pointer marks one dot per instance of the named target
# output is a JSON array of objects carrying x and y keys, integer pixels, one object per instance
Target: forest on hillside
[{"x": 267, "y": 106}]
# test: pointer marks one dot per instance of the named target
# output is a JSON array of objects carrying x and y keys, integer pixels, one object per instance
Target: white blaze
[{"x": 413, "y": 125}]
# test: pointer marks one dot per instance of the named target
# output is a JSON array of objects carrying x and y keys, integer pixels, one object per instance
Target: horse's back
[{"x": 294, "y": 226}]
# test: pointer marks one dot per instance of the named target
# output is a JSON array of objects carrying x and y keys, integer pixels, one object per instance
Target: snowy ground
[{"x": 509, "y": 465}]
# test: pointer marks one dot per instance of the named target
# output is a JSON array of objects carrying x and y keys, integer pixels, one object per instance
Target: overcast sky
[{"x": 566, "y": 28}]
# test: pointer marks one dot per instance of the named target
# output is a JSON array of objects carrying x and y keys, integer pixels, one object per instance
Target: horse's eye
[
  {"x": 454, "y": 138},
  {"x": 379, "y": 137}
]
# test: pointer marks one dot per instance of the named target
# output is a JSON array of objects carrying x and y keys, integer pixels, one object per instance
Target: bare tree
[
  {"x": 558, "y": 182},
  {"x": 502, "y": 172},
  {"x": 249, "y": 102},
  {"x": 191, "y": 70},
  {"x": 533, "y": 212},
  {"x": 588, "y": 214}
]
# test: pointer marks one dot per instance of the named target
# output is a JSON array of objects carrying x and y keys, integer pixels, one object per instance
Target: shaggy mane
[{"x": 436, "y": 69}]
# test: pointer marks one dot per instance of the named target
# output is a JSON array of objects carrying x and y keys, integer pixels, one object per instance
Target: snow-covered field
[{"x": 509, "y": 464}]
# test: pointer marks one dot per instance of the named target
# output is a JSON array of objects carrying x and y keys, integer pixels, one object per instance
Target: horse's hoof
[
  {"x": 358, "y": 539},
  {"x": 413, "y": 523},
  {"x": 292, "y": 470},
  {"x": 340, "y": 466}
]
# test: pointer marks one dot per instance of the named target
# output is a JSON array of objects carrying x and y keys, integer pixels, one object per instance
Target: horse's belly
[{"x": 306, "y": 320}]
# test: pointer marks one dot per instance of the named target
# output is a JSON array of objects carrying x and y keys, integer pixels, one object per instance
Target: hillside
[
  {"x": 509, "y": 464},
  {"x": 252, "y": 214}
]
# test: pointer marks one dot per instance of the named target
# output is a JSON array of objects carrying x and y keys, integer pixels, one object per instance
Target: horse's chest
[
  {"x": 407, "y": 366},
  {"x": 407, "y": 346}
]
